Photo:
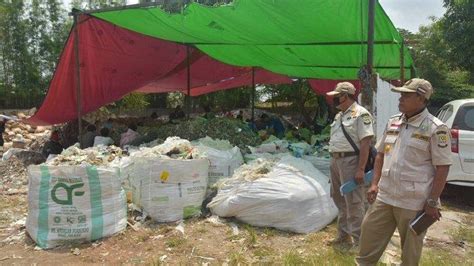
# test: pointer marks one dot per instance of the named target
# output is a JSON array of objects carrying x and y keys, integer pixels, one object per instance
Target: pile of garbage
[
  {"x": 173, "y": 147},
  {"x": 13, "y": 177},
  {"x": 235, "y": 131},
  {"x": 20, "y": 135},
  {"x": 98, "y": 156},
  {"x": 291, "y": 193}
]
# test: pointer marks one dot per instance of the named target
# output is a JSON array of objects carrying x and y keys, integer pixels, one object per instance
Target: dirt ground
[{"x": 213, "y": 241}]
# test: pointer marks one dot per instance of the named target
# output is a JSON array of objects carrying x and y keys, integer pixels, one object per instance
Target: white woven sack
[
  {"x": 73, "y": 204},
  {"x": 293, "y": 196},
  {"x": 169, "y": 189}
]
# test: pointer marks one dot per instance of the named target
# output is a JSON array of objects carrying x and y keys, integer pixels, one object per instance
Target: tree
[
  {"x": 458, "y": 28},
  {"x": 432, "y": 55}
]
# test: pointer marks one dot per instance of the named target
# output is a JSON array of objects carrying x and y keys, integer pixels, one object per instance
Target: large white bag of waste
[
  {"x": 289, "y": 195},
  {"x": 224, "y": 159},
  {"x": 269, "y": 156},
  {"x": 168, "y": 189},
  {"x": 320, "y": 163},
  {"x": 72, "y": 204}
]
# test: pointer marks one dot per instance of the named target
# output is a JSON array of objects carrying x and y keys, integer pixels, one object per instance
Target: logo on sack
[
  {"x": 164, "y": 176},
  {"x": 69, "y": 189}
]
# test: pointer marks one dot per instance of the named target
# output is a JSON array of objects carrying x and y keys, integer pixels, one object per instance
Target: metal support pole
[
  {"x": 188, "y": 85},
  {"x": 253, "y": 95},
  {"x": 367, "y": 91},
  {"x": 402, "y": 63},
  {"x": 78, "y": 74}
]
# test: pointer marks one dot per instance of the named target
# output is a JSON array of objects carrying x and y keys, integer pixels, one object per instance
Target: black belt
[{"x": 338, "y": 155}]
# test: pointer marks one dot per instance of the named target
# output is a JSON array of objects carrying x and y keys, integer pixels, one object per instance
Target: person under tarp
[
  {"x": 87, "y": 139},
  {"x": 53, "y": 146},
  {"x": 129, "y": 136},
  {"x": 272, "y": 125},
  {"x": 177, "y": 114},
  {"x": 104, "y": 138}
]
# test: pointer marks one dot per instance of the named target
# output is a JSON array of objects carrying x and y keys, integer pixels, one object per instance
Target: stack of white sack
[
  {"x": 289, "y": 194},
  {"x": 223, "y": 158},
  {"x": 74, "y": 203},
  {"x": 166, "y": 181}
]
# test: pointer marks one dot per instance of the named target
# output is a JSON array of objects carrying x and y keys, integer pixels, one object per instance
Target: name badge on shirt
[{"x": 391, "y": 139}]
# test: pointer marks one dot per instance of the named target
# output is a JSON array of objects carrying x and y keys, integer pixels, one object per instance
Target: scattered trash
[
  {"x": 235, "y": 229},
  {"x": 98, "y": 156},
  {"x": 76, "y": 252},
  {"x": 163, "y": 258},
  {"x": 180, "y": 227}
]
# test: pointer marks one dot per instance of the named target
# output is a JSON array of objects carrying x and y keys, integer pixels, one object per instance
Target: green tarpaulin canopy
[{"x": 324, "y": 39}]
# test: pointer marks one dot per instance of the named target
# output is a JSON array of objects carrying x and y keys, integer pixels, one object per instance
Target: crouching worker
[
  {"x": 104, "y": 138},
  {"x": 52, "y": 146}
]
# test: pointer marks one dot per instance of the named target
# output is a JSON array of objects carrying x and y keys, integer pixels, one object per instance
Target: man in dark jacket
[{"x": 52, "y": 146}]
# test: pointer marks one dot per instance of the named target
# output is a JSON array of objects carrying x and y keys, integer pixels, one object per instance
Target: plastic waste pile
[{"x": 289, "y": 194}]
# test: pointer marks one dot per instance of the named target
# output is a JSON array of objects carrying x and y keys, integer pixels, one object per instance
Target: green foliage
[
  {"x": 31, "y": 37},
  {"x": 436, "y": 55},
  {"x": 134, "y": 102},
  {"x": 458, "y": 28},
  {"x": 174, "y": 99},
  {"x": 227, "y": 99}
]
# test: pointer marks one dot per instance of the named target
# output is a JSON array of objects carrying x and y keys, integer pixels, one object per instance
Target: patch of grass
[
  {"x": 174, "y": 242},
  {"x": 263, "y": 251},
  {"x": 143, "y": 238},
  {"x": 202, "y": 230},
  {"x": 237, "y": 258},
  {"x": 464, "y": 233},
  {"x": 270, "y": 231},
  {"x": 165, "y": 229},
  {"x": 440, "y": 257},
  {"x": 330, "y": 257},
  {"x": 318, "y": 238},
  {"x": 251, "y": 240},
  {"x": 156, "y": 262},
  {"x": 292, "y": 258}
]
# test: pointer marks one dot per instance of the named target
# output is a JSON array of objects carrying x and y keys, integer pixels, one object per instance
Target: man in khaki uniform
[
  {"x": 412, "y": 163},
  {"x": 346, "y": 164}
]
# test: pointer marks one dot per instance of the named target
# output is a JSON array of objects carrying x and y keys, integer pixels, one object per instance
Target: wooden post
[
  {"x": 402, "y": 63},
  {"x": 253, "y": 95},
  {"x": 78, "y": 74},
  {"x": 188, "y": 85},
  {"x": 366, "y": 75}
]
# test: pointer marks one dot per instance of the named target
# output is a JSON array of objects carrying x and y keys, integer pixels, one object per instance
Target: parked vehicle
[{"x": 459, "y": 116}]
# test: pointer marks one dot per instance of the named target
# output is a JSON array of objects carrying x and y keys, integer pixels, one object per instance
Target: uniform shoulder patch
[
  {"x": 442, "y": 136},
  {"x": 366, "y": 119}
]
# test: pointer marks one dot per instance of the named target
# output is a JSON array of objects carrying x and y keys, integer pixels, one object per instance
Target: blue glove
[{"x": 350, "y": 185}]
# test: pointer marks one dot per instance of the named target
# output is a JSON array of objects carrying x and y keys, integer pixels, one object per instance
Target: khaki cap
[
  {"x": 420, "y": 86},
  {"x": 343, "y": 87}
]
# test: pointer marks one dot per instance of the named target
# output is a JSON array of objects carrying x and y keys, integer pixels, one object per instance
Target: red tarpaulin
[
  {"x": 209, "y": 75},
  {"x": 261, "y": 77},
  {"x": 115, "y": 62}
]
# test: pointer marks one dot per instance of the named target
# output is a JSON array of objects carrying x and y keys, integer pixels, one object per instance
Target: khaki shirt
[
  {"x": 412, "y": 148},
  {"x": 358, "y": 124}
]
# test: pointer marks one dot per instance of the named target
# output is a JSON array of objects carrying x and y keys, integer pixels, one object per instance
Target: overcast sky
[
  {"x": 410, "y": 14},
  {"x": 406, "y": 14}
]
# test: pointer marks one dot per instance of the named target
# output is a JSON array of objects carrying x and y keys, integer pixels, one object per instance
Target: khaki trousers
[
  {"x": 377, "y": 229},
  {"x": 351, "y": 206}
]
